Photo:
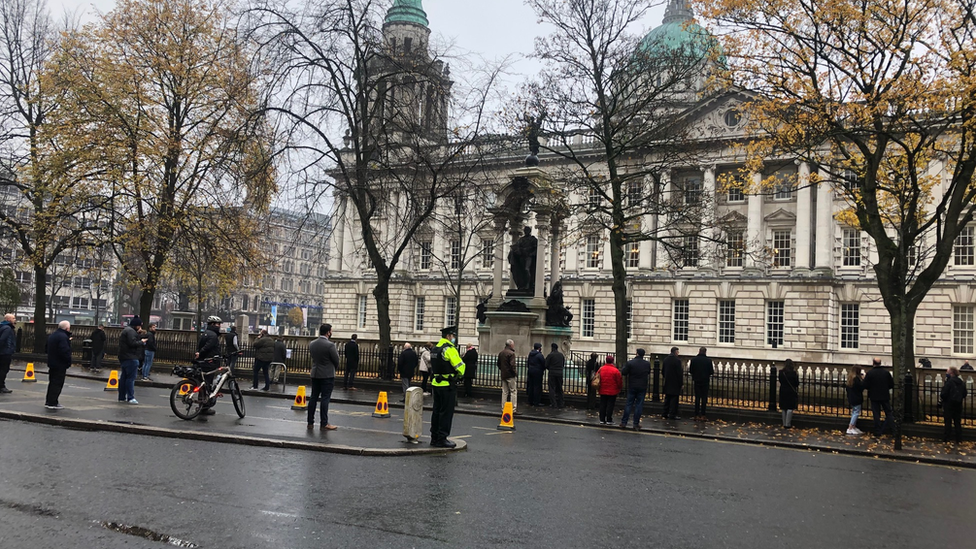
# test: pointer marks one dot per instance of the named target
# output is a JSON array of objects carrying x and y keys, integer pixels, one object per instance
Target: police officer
[
  {"x": 447, "y": 369},
  {"x": 209, "y": 347}
]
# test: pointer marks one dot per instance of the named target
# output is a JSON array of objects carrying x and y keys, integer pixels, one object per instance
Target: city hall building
[{"x": 798, "y": 284}]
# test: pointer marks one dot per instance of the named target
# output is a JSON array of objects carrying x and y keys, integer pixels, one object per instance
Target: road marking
[
  {"x": 463, "y": 436},
  {"x": 499, "y": 433}
]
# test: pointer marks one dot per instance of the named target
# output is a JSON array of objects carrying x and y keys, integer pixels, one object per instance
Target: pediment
[
  {"x": 781, "y": 217},
  {"x": 733, "y": 219},
  {"x": 719, "y": 117}
]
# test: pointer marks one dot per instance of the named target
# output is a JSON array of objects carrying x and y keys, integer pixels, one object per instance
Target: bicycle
[{"x": 191, "y": 395}]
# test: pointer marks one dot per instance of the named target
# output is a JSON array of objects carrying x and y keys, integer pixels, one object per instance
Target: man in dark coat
[
  {"x": 8, "y": 345},
  {"x": 232, "y": 346},
  {"x": 98, "y": 348},
  {"x": 555, "y": 364},
  {"x": 702, "y": 371},
  {"x": 406, "y": 366},
  {"x": 536, "y": 364},
  {"x": 58, "y": 362},
  {"x": 636, "y": 372},
  {"x": 879, "y": 384},
  {"x": 953, "y": 395},
  {"x": 264, "y": 354},
  {"x": 132, "y": 345},
  {"x": 325, "y": 360},
  {"x": 470, "y": 359},
  {"x": 673, "y": 379},
  {"x": 280, "y": 351},
  {"x": 351, "y": 350}
]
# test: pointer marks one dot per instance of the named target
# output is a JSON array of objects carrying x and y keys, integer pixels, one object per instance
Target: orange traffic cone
[
  {"x": 382, "y": 406},
  {"x": 29, "y": 373},
  {"x": 301, "y": 400},
  {"x": 113, "y": 381},
  {"x": 508, "y": 419}
]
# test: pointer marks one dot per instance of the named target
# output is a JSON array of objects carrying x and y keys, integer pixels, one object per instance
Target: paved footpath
[{"x": 271, "y": 420}]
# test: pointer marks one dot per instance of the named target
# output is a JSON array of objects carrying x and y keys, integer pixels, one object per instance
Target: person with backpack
[{"x": 953, "y": 394}]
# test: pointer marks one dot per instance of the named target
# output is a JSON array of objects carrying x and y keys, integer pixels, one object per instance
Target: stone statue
[
  {"x": 483, "y": 308},
  {"x": 522, "y": 259},
  {"x": 556, "y": 313},
  {"x": 533, "y": 127}
]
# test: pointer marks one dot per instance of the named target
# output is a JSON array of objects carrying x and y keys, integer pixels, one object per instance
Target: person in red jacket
[{"x": 610, "y": 384}]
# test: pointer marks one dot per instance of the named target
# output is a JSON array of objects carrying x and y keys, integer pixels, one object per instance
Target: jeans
[
  {"x": 4, "y": 369},
  {"x": 510, "y": 392},
  {"x": 147, "y": 363},
  {"x": 258, "y": 366},
  {"x": 671, "y": 406},
  {"x": 701, "y": 397},
  {"x": 606, "y": 407},
  {"x": 321, "y": 386},
  {"x": 635, "y": 403},
  {"x": 855, "y": 413},
  {"x": 127, "y": 379},
  {"x": 876, "y": 408},
  {"x": 556, "y": 390},
  {"x": 405, "y": 383}
]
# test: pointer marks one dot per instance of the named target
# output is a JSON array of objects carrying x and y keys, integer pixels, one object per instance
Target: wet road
[{"x": 542, "y": 486}]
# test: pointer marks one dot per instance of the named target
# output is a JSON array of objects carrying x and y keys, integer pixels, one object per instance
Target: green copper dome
[
  {"x": 679, "y": 32},
  {"x": 407, "y": 11}
]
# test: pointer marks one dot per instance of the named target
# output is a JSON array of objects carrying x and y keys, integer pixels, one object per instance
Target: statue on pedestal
[
  {"x": 557, "y": 314},
  {"x": 521, "y": 259}
]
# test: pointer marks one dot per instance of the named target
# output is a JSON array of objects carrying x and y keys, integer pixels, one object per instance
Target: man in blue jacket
[
  {"x": 8, "y": 344},
  {"x": 58, "y": 362}
]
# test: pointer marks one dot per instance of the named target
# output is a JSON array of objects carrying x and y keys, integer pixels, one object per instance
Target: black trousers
[
  {"x": 670, "y": 406},
  {"x": 424, "y": 377},
  {"x": 443, "y": 415},
  {"x": 952, "y": 415},
  {"x": 533, "y": 388},
  {"x": 55, "y": 384},
  {"x": 590, "y": 395},
  {"x": 4, "y": 369},
  {"x": 96, "y": 363},
  {"x": 701, "y": 397},
  {"x": 876, "y": 407},
  {"x": 349, "y": 376},
  {"x": 467, "y": 385},
  {"x": 321, "y": 387},
  {"x": 556, "y": 391},
  {"x": 260, "y": 365},
  {"x": 606, "y": 407}
]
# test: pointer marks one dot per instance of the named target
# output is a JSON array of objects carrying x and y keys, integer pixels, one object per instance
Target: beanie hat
[{"x": 136, "y": 321}]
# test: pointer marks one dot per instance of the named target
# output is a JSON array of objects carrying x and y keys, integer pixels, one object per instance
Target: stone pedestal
[{"x": 524, "y": 328}]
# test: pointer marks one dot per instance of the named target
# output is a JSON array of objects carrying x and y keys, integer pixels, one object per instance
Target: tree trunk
[
  {"x": 200, "y": 305},
  {"x": 145, "y": 304},
  {"x": 619, "y": 297},
  {"x": 382, "y": 294},
  {"x": 902, "y": 360},
  {"x": 40, "y": 303}
]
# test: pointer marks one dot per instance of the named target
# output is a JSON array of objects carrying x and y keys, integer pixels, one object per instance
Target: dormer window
[{"x": 407, "y": 45}]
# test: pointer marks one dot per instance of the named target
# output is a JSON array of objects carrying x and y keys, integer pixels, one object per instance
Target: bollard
[
  {"x": 772, "y": 387},
  {"x": 413, "y": 414},
  {"x": 909, "y": 415},
  {"x": 656, "y": 395},
  {"x": 86, "y": 354}
]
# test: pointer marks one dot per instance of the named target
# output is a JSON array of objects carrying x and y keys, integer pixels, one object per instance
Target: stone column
[
  {"x": 754, "y": 228},
  {"x": 661, "y": 258},
  {"x": 825, "y": 225},
  {"x": 803, "y": 228},
  {"x": 710, "y": 232},
  {"x": 555, "y": 270},
  {"x": 542, "y": 226},
  {"x": 499, "y": 267}
]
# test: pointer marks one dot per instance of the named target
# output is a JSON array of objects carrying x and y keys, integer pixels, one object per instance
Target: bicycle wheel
[
  {"x": 184, "y": 401},
  {"x": 238, "y": 398}
]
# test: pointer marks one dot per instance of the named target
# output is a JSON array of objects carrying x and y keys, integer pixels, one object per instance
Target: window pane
[
  {"x": 849, "y": 325},
  {"x": 589, "y": 317},
  {"x": 963, "y": 250},
  {"x": 680, "y": 322},
  {"x": 782, "y": 248},
  {"x": 418, "y": 322},
  {"x": 962, "y": 329},
  {"x": 735, "y": 248},
  {"x": 726, "y": 321},
  {"x": 774, "y": 323},
  {"x": 852, "y": 248}
]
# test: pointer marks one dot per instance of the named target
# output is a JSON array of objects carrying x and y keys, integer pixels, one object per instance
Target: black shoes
[
  {"x": 443, "y": 443},
  {"x": 4, "y": 390},
  {"x": 208, "y": 412}
]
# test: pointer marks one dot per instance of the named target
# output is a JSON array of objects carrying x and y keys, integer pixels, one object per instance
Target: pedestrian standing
[
  {"x": 789, "y": 392},
  {"x": 280, "y": 351},
  {"x": 351, "y": 350},
  {"x": 470, "y": 360},
  {"x": 509, "y": 375},
  {"x": 555, "y": 364},
  {"x": 673, "y": 380},
  {"x": 131, "y": 347},
  {"x": 879, "y": 383},
  {"x": 425, "y": 367},
  {"x": 446, "y": 367},
  {"x": 966, "y": 366},
  {"x": 325, "y": 360},
  {"x": 232, "y": 346},
  {"x": 98, "y": 348},
  {"x": 591, "y": 369},
  {"x": 855, "y": 397},
  {"x": 536, "y": 365},
  {"x": 150, "y": 352},
  {"x": 58, "y": 362},
  {"x": 609, "y": 385},
  {"x": 702, "y": 370},
  {"x": 953, "y": 395},
  {"x": 406, "y": 366},
  {"x": 637, "y": 371},
  {"x": 8, "y": 345},
  {"x": 263, "y": 357}
]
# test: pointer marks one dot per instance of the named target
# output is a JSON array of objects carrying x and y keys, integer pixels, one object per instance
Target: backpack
[{"x": 957, "y": 390}]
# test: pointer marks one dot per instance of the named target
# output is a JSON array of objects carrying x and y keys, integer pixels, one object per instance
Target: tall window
[
  {"x": 782, "y": 248},
  {"x": 851, "y": 181},
  {"x": 363, "y": 301},
  {"x": 964, "y": 247},
  {"x": 733, "y": 185},
  {"x": 593, "y": 251},
  {"x": 419, "y": 304},
  {"x": 850, "y": 325},
  {"x": 455, "y": 254},
  {"x": 680, "y": 320},
  {"x": 633, "y": 254},
  {"x": 691, "y": 186},
  {"x": 689, "y": 251},
  {"x": 593, "y": 197},
  {"x": 487, "y": 253},
  {"x": 589, "y": 317},
  {"x": 425, "y": 255},
  {"x": 852, "y": 248},
  {"x": 735, "y": 248},
  {"x": 635, "y": 193},
  {"x": 774, "y": 323},
  {"x": 785, "y": 181},
  {"x": 245, "y": 303},
  {"x": 726, "y": 321},
  {"x": 450, "y": 311},
  {"x": 962, "y": 329}
]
